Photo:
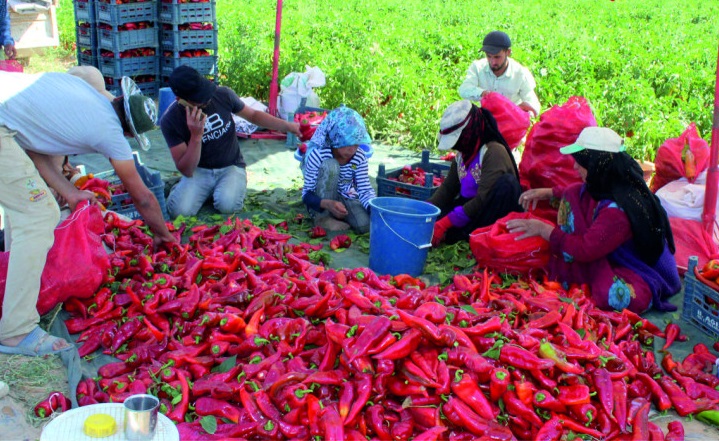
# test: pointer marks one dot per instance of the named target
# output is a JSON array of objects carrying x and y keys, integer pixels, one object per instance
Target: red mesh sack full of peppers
[
  {"x": 496, "y": 248},
  {"x": 512, "y": 121},
  {"x": 682, "y": 157},
  {"x": 76, "y": 263}
]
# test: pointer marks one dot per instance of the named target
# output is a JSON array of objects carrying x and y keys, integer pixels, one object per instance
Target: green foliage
[{"x": 646, "y": 67}]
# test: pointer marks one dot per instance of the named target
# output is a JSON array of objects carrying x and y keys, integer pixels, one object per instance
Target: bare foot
[
  {"x": 331, "y": 224},
  {"x": 59, "y": 343}
]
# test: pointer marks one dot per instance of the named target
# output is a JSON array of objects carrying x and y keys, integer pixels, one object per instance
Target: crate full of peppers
[
  {"x": 417, "y": 181},
  {"x": 112, "y": 194},
  {"x": 701, "y": 296}
]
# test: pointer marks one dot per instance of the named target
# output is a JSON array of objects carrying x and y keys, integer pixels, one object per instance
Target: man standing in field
[{"x": 497, "y": 72}]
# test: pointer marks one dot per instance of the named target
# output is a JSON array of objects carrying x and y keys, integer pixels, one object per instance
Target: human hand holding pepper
[{"x": 440, "y": 230}]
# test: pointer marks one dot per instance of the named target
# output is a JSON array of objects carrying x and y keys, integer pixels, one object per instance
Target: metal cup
[{"x": 141, "y": 417}]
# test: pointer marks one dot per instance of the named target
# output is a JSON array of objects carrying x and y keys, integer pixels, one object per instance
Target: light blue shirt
[{"x": 60, "y": 114}]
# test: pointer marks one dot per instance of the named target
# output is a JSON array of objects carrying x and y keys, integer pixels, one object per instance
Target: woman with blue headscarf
[{"x": 337, "y": 188}]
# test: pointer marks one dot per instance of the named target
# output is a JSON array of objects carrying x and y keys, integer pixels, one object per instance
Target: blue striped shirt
[
  {"x": 5, "y": 37},
  {"x": 353, "y": 183}
]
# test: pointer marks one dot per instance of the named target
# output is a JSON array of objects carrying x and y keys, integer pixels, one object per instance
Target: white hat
[
  {"x": 454, "y": 119},
  {"x": 140, "y": 111},
  {"x": 601, "y": 139}
]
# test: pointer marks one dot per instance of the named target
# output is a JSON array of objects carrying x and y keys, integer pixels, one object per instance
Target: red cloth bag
[
  {"x": 512, "y": 121},
  {"x": 673, "y": 160},
  {"x": 496, "y": 248},
  {"x": 11, "y": 66},
  {"x": 542, "y": 164},
  {"x": 76, "y": 263}
]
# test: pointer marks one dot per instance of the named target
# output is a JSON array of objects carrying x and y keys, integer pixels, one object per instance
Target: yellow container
[{"x": 99, "y": 425}]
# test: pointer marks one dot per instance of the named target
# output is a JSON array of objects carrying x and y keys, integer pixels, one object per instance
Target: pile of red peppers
[{"x": 240, "y": 335}]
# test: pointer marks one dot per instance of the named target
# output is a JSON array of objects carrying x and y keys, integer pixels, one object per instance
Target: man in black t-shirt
[{"x": 200, "y": 132}]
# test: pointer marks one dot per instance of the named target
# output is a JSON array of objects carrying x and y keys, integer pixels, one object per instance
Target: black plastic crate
[
  {"x": 204, "y": 65},
  {"x": 389, "y": 187},
  {"x": 122, "y": 203},
  {"x": 119, "y": 67},
  {"x": 86, "y": 34},
  {"x": 179, "y": 40},
  {"x": 178, "y": 13},
  {"x": 116, "y": 15},
  {"x": 86, "y": 56},
  {"x": 120, "y": 41},
  {"x": 84, "y": 10},
  {"x": 701, "y": 302},
  {"x": 148, "y": 88}
]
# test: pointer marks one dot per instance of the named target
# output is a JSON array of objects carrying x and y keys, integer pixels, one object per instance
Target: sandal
[{"x": 37, "y": 343}]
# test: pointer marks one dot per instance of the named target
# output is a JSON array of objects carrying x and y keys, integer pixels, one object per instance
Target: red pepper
[
  {"x": 710, "y": 270},
  {"x": 549, "y": 351},
  {"x": 682, "y": 403},
  {"x": 522, "y": 359},
  {"x": 603, "y": 385},
  {"x": 499, "y": 381},
  {"x": 376, "y": 421},
  {"x": 340, "y": 241},
  {"x": 317, "y": 231},
  {"x": 178, "y": 412},
  {"x": 544, "y": 400},
  {"x": 640, "y": 423},
  {"x": 331, "y": 422},
  {"x": 661, "y": 399},
  {"x": 112, "y": 370},
  {"x": 574, "y": 395},
  {"x": 672, "y": 332},
  {"x": 584, "y": 413},
  {"x": 54, "y": 402},
  {"x": 407, "y": 344},
  {"x": 372, "y": 333},
  {"x": 551, "y": 430},
  {"x": 675, "y": 431},
  {"x": 466, "y": 388},
  {"x": 463, "y": 416},
  {"x": 363, "y": 391},
  {"x": 516, "y": 407},
  {"x": 432, "y": 434}
]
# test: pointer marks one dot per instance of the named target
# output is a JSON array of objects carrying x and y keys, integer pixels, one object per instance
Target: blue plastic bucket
[
  {"x": 400, "y": 235},
  {"x": 164, "y": 100}
]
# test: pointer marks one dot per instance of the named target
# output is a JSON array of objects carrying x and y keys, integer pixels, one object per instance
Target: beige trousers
[{"x": 33, "y": 213}]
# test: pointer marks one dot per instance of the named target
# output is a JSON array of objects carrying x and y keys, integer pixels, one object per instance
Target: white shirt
[
  {"x": 60, "y": 114},
  {"x": 516, "y": 83}
]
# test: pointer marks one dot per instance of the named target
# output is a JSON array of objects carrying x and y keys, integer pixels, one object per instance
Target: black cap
[
  {"x": 496, "y": 41},
  {"x": 188, "y": 84}
]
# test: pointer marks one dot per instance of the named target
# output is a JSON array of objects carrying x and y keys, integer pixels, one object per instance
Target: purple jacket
[{"x": 593, "y": 244}]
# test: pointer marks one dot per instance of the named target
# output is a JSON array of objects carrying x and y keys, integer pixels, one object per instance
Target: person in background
[
  {"x": 6, "y": 39},
  {"x": 43, "y": 116},
  {"x": 200, "y": 133},
  {"x": 612, "y": 232},
  {"x": 337, "y": 188},
  {"x": 497, "y": 72},
  {"x": 483, "y": 181}
]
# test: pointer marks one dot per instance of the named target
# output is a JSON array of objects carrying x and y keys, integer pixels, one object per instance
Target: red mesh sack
[
  {"x": 542, "y": 165},
  {"x": 512, "y": 121},
  {"x": 496, "y": 248},
  {"x": 76, "y": 263},
  {"x": 11, "y": 66},
  {"x": 682, "y": 157}
]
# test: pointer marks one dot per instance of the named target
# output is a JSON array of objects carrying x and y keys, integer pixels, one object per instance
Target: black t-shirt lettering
[{"x": 220, "y": 147}]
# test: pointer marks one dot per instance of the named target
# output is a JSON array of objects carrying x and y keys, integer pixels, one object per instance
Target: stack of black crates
[
  {"x": 145, "y": 40},
  {"x": 188, "y": 37},
  {"x": 86, "y": 32}
]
